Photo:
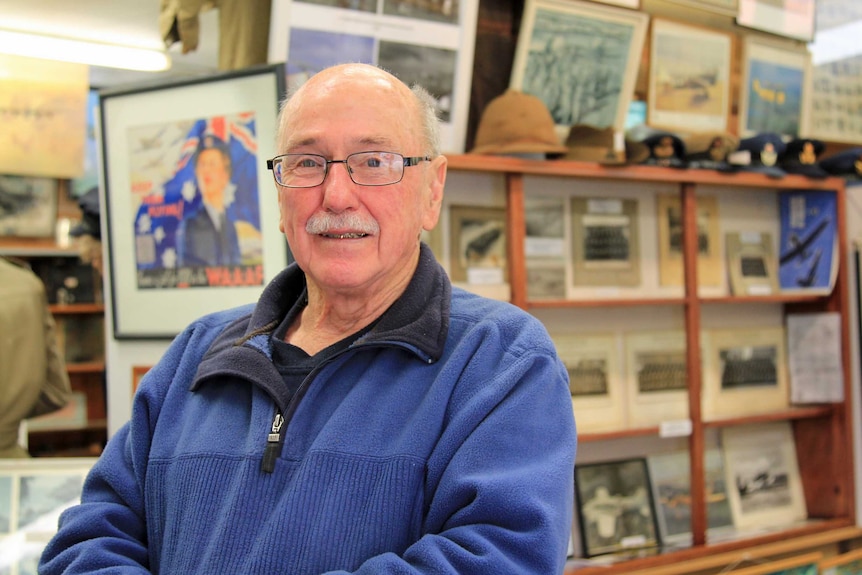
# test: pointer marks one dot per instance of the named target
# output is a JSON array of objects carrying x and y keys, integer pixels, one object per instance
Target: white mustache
[{"x": 325, "y": 222}]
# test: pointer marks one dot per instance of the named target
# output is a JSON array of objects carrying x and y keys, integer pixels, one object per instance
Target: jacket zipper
[{"x": 275, "y": 437}]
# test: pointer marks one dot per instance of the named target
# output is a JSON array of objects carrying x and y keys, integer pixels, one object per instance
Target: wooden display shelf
[
  {"x": 77, "y": 308},
  {"x": 86, "y": 367},
  {"x": 715, "y": 557},
  {"x": 823, "y": 434}
]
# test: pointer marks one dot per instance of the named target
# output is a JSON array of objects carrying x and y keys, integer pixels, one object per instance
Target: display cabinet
[{"x": 697, "y": 311}]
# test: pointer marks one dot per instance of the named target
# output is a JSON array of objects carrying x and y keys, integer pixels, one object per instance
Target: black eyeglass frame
[{"x": 408, "y": 161}]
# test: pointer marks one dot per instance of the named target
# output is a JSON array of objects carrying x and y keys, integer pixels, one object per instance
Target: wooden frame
[
  {"x": 773, "y": 91},
  {"x": 138, "y": 373},
  {"x": 689, "y": 90},
  {"x": 149, "y": 141},
  {"x": 477, "y": 243},
  {"x": 616, "y": 511},
  {"x": 802, "y": 564},
  {"x": 567, "y": 43}
]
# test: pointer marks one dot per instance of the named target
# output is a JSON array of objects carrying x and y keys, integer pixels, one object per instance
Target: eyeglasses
[{"x": 364, "y": 168}]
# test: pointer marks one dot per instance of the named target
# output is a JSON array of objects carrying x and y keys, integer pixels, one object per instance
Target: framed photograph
[
  {"x": 745, "y": 372},
  {"x": 670, "y": 474},
  {"x": 762, "y": 472},
  {"x": 616, "y": 510},
  {"x": 751, "y": 264},
  {"x": 773, "y": 89},
  {"x": 657, "y": 377},
  {"x": 478, "y": 245},
  {"x": 605, "y": 242},
  {"x": 595, "y": 380},
  {"x": 710, "y": 271},
  {"x": 790, "y": 18},
  {"x": 44, "y": 116},
  {"x": 849, "y": 563},
  {"x": 689, "y": 90},
  {"x": 834, "y": 98},
  {"x": 802, "y": 564},
  {"x": 545, "y": 247},
  {"x": 188, "y": 199},
  {"x": 581, "y": 59},
  {"x": 428, "y": 43},
  {"x": 28, "y": 206}
]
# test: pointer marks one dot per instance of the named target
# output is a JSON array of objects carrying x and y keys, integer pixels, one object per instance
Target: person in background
[
  {"x": 33, "y": 378},
  {"x": 207, "y": 237},
  {"x": 364, "y": 416}
]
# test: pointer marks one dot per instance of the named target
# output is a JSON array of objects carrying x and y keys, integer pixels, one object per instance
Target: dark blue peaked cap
[{"x": 847, "y": 164}]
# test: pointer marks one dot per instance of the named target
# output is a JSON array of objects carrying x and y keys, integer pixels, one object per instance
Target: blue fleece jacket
[{"x": 441, "y": 441}]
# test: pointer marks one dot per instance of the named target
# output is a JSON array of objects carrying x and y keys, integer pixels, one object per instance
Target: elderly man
[{"x": 364, "y": 416}]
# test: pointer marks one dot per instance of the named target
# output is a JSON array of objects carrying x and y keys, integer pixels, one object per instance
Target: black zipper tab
[{"x": 273, "y": 444}]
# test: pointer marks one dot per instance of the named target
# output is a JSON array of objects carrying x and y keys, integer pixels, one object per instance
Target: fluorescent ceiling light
[{"x": 81, "y": 52}]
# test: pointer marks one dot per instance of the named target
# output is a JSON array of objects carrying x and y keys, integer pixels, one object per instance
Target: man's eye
[
  {"x": 306, "y": 163},
  {"x": 373, "y": 163}
]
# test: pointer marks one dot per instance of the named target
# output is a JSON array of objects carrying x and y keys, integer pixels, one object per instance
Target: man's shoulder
[{"x": 472, "y": 308}]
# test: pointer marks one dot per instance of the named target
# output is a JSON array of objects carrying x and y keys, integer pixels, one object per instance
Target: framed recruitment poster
[{"x": 185, "y": 189}]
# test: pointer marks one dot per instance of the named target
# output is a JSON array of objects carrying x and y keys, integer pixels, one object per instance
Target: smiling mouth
[{"x": 348, "y": 236}]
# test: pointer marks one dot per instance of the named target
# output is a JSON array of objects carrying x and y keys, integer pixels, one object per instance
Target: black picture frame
[
  {"x": 615, "y": 507},
  {"x": 149, "y": 138}
]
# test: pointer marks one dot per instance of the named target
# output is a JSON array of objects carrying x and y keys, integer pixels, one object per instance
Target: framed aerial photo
[
  {"x": 428, "y": 43},
  {"x": 834, "y": 110},
  {"x": 581, "y": 59},
  {"x": 595, "y": 380},
  {"x": 616, "y": 510},
  {"x": 689, "y": 90},
  {"x": 166, "y": 148},
  {"x": 763, "y": 483},
  {"x": 745, "y": 372},
  {"x": 775, "y": 77}
]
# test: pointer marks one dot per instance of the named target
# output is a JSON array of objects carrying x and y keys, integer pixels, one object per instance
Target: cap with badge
[
  {"x": 709, "y": 150},
  {"x": 665, "y": 149},
  {"x": 212, "y": 142},
  {"x": 591, "y": 144},
  {"x": 847, "y": 164},
  {"x": 800, "y": 157},
  {"x": 515, "y": 123},
  {"x": 759, "y": 154}
]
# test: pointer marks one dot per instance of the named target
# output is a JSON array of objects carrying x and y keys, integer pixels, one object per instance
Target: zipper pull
[{"x": 273, "y": 444}]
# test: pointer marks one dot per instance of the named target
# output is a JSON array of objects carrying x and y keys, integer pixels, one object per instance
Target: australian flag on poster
[
  {"x": 181, "y": 239},
  {"x": 808, "y": 252}
]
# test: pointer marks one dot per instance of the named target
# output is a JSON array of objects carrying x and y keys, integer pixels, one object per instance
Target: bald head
[{"x": 357, "y": 84}]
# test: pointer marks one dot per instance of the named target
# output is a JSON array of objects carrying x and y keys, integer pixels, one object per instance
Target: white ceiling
[{"x": 126, "y": 22}]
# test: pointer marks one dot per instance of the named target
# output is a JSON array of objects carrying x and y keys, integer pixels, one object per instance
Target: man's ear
[{"x": 434, "y": 198}]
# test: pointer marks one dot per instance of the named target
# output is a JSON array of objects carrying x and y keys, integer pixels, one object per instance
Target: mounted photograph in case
[
  {"x": 186, "y": 183},
  {"x": 616, "y": 510}
]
